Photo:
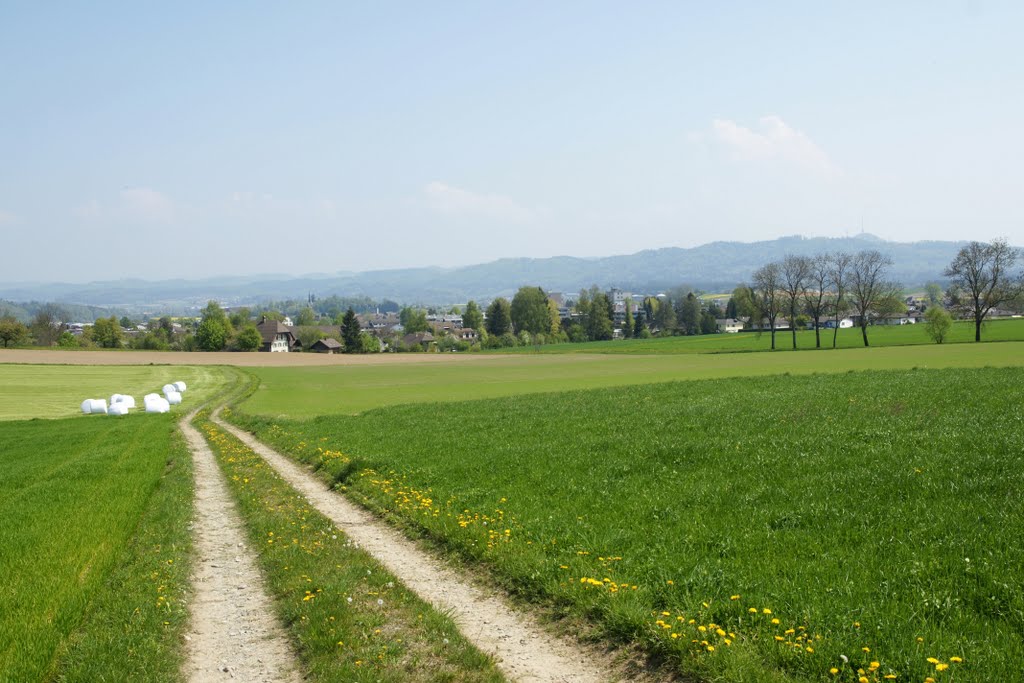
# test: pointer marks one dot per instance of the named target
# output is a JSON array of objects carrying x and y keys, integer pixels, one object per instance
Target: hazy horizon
[{"x": 196, "y": 141}]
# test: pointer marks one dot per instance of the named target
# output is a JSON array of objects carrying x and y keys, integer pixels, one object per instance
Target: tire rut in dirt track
[
  {"x": 523, "y": 650},
  {"x": 233, "y": 635}
]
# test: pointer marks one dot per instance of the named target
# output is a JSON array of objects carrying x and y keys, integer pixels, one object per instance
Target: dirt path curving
[
  {"x": 233, "y": 634},
  {"x": 523, "y": 650}
]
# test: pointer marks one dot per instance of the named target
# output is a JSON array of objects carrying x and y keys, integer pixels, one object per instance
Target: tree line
[{"x": 831, "y": 286}]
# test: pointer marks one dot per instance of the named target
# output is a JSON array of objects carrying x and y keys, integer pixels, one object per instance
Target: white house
[{"x": 728, "y": 325}]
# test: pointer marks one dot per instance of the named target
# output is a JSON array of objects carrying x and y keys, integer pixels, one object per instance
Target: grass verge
[
  {"x": 745, "y": 529},
  {"x": 350, "y": 619}
]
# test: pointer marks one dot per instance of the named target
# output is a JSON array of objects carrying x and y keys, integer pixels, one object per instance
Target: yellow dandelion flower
[
  {"x": 833, "y": 671},
  {"x": 734, "y": 597},
  {"x": 766, "y": 611},
  {"x": 775, "y": 620},
  {"x": 932, "y": 660},
  {"x": 941, "y": 667},
  {"x": 955, "y": 660}
]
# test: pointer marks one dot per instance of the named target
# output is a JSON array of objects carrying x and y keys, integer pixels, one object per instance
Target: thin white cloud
[
  {"x": 133, "y": 204},
  {"x": 455, "y": 201},
  {"x": 146, "y": 204},
  {"x": 774, "y": 140},
  {"x": 264, "y": 206},
  {"x": 7, "y": 218}
]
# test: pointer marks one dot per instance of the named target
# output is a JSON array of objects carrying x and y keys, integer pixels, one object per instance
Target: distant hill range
[{"x": 717, "y": 266}]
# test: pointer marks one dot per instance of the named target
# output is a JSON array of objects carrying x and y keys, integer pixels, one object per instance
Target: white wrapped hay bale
[
  {"x": 174, "y": 398},
  {"x": 87, "y": 406},
  {"x": 115, "y": 398},
  {"x": 169, "y": 388},
  {"x": 118, "y": 408},
  {"x": 180, "y": 386},
  {"x": 98, "y": 406},
  {"x": 149, "y": 397},
  {"x": 157, "y": 405},
  {"x": 127, "y": 401}
]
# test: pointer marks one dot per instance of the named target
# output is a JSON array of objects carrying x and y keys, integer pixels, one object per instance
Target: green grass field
[
  {"x": 876, "y": 515},
  {"x": 904, "y": 335},
  {"x": 94, "y": 562},
  {"x": 310, "y": 391},
  {"x": 50, "y": 391}
]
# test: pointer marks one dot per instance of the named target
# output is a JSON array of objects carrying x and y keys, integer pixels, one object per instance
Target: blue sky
[{"x": 200, "y": 139}]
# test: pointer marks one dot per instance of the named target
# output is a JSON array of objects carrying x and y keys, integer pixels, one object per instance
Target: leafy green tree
[
  {"x": 598, "y": 321},
  {"x": 982, "y": 278},
  {"x": 350, "y": 333},
  {"x": 309, "y": 335},
  {"x": 67, "y": 340},
  {"x": 933, "y": 293},
  {"x": 369, "y": 343},
  {"x": 413, "y": 320},
  {"x": 106, "y": 333},
  {"x": 708, "y": 323},
  {"x": 730, "y": 309},
  {"x": 499, "y": 317},
  {"x": 240, "y": 318},
  {"x": 126, "y": 322},
  {"x": 664, "y": 317},
  {"x": 689, "y": 314},
  {"x": 249, "y": 339},
  {"x": 937, "y": 323},
  {"x": 307, "y": 316},
  {"x": 214, "y": 329},
  {"x": 12, "y": 332},
  {"x": 473, "y": 317},
  {"x": 639, "y": 327},
  {"x": 627, "y": 325},
  {"x": 529, "y": 311},
  {"x": 211, "y": 335},
  {"x": 554, "y": 318}
]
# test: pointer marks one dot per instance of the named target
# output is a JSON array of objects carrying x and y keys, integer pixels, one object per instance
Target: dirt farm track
[{"x": 47, "y": 357}]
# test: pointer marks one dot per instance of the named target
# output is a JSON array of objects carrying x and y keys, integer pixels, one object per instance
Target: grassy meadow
[
  {"x": 746, "y": 529},
  {"x": 310, "y": 391},
  {"x": 850, "y": 338},
  {"x": 51, "y": 391},
  {"x": 96, "y": 548}
]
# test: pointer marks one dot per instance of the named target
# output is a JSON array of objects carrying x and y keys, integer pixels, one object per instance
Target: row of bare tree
[
  {"x": 830, "y": 286},
  {"x": 826, "y": 286}
]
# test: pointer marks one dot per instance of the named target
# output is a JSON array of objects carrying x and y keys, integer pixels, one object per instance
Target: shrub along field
[
  {"x": 28, "y": 391},
  {"x": 850, "y": 338},
  {"x": 749, "y": 529},
  {"x": 303, "y": 392},
  {"x": 95, "y": 557}
]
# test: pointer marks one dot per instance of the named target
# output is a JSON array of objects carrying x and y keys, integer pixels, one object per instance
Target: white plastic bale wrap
[
  {"x": 115, "y": 398},
  {"x": 87, "y": 406},
  {"x": 118, "y": 409},
  {"x": 149, "y": 397},
  {"x": 127, "y": 401},
  {"x": 180, "y": 386},
  {"x": 174, "y": 398},
  {"x": 169, "y": 388},
  {"x": 157, "y": 405},
  {"x": 98, "y": 406}
]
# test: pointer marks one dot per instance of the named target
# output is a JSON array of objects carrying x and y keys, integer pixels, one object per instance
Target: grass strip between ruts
[{"x": 350, "y": 619}]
